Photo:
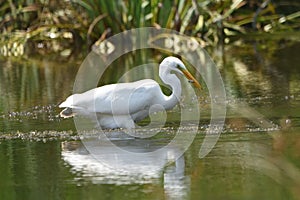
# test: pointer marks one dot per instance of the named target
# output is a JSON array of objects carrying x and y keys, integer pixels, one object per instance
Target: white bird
[{"x": 121, "y": 105}]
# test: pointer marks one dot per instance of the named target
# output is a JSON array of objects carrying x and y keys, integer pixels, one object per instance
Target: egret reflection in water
[{"x": 106, "y": 165}]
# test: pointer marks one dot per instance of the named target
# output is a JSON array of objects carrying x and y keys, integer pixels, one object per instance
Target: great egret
[{"x": 120, "y": 105}]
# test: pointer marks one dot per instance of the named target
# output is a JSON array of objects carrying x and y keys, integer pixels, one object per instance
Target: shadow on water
[{"x": 257, "y": 156}]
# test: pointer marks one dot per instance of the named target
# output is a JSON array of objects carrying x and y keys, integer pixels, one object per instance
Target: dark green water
[{"x": 257, "y": 156}]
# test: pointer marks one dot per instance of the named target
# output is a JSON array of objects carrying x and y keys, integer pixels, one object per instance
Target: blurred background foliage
[{"x": 65, "y": 26}]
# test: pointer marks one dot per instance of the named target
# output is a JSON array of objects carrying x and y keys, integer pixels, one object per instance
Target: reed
[{"x": 76, "y": 21}]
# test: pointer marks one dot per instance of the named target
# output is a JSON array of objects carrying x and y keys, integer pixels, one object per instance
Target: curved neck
[{"x": 173, "y": 81}]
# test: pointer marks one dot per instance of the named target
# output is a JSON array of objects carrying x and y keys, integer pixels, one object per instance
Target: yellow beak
[{"x": 191, "y": 79}]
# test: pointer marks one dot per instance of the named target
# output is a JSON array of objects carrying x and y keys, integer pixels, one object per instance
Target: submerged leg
[{"x": 130, "y": 128}]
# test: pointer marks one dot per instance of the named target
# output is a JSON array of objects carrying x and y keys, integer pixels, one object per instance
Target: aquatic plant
[
  {"x": 60, "y": 26},
  {"x": 37, "y": 24}
]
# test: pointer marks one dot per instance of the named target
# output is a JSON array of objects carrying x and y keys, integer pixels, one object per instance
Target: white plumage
[{"x": 120, "y": 105}]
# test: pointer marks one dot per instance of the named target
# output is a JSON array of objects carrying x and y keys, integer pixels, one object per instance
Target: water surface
[{"x": 257, "y": 155}]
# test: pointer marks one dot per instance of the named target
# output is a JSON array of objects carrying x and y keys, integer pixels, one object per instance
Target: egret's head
[{"x": 174, "y": 64}]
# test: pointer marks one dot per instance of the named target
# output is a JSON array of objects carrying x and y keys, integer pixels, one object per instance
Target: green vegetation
[{"x": 61, "y": 26}]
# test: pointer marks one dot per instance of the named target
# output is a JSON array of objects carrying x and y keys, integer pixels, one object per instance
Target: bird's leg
[{"x": 130, "y": 128}]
